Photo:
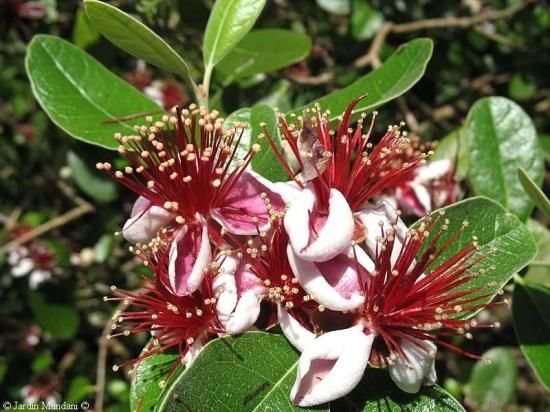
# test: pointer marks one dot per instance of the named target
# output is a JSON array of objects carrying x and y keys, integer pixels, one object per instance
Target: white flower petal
[
  {"x": 408, "y": 374},
  {"x": 333, "y": 283},
  {"x": 145, "y": 222},
  {"x": 246, "y": 312},
  {"x": 23, "y": 267},
  {"x": 331, "y": 366},
  {"x": 333, "y": 237},
  {"x": 433, "y": 171},
  {"x": 296, "y": 334},
  {"x": 372, "y": 216},
  {"x": 225, "y": 285},
  {"x": 422, "y": 195}
]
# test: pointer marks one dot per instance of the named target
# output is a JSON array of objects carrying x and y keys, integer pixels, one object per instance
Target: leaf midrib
[
  {"x": 218, "y": 33},
  {"x": 277, "y": 384},
  {"x": 72, "y": 81}
]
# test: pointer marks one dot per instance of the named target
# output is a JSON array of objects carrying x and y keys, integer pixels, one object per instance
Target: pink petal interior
[
  {"x": 341, "y": 273},
  {"x": 244, "y": 203},
  {"x": 188, "y": 249}
]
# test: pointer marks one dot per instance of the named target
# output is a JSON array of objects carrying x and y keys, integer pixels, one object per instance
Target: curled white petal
[
  {"x": 225, "y": 285},
  {"x": 331, "y": 366},
  {"x": 145, "y": 222},
  {"x": 433, "y": 170},
  {"x": 312, "y": 279},
  {"x": 332, "y": 238},
  {"x": 376, "y": 218},
  {"x": 296, "y": 334},
  {"x": 246, "y": 312},
  {"x": 409, "y": 374}
]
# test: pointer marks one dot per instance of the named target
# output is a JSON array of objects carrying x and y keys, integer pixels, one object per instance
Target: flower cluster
[{"x": 348, "y": 283}]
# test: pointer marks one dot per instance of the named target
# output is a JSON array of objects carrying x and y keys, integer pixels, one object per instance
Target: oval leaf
[
  {"x": 397, "y": 75},
  {"x": 535, "y": 193},
  {"x": 263, "y": 51},
  {"x": 501, "y": 138},
  {"x": 229, "y": 22},
  {"x": 531, "y": 313},
  {"x": 265, "y": 162},
  {"x": 79, "y": 94},
  {"x": 377, "y": 393},
  {"x": 251, "y": 372},
  {"x": 494, "y": 228},
  {"x": 135, "y": 38},
  {"x": 148, "y": 379},
  {"x": 493, "y": 381},
  {"x": 61, "y": 321}
]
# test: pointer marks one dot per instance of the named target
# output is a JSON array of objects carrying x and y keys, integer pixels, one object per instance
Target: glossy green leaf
[
  {"x": 501, "y": 138},
  {"x": 538, "y": 197},
  {"x": 98, "y": 187},
  {"x": 493, "y": 382},
  {"x": 229, "y": 22},
  {"x": 396, "y": 76},
  {"x": 79, "y": 94},
  {"x": 531, "y": 313},
  {"x": 61, "y": 321},
  {"x": 135, "y": 38},
  {"x": 251, "y": 372},
  {"x": 84, "y": 34},
  {"x": 539, "y": 268},
  {"x": 494, "y": 228},
  {"x": 454, "y": 147},
  {"x": 263, "y": 51},
  {"x": 265, "y": 162},
  {"x": 377, "y": 393},
  {"x": 148, "y": 380}
]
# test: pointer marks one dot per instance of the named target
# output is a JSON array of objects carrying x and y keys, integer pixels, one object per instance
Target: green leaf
[
  {"x": 501, "y": 138},
  {"x": 101, "y": 189},
  {"x": 61, "y": 321},
  {"x": 265, "y": 162},
  {"x": 148, "y": 380},
  {"x": 494, "y": 228},
  {"x": 79, "y": 388},
  {"x": 492, "y": 384},
  {"x": 539, "y": 269},
  {"x": 397, "y": 75},
  {"x": 535, "y": 193},
  {"x": 103, "y": 247},
  {"x": 84, "y": 34},
  {"x": 135, "y": 38},
  {"x": 531, "y": 313},
  {"x": 377, "y": 393},
  {"x": 251, "y": 372},
  {"x": 228, "y": 23},
  {"x": 79, "y": 94},
  {"x": 263, "y": 51},
  {"x": 454, "y": 147},
  {"x": 365, "y": 20}
]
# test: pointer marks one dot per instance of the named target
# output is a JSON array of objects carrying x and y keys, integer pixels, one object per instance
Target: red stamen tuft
[
  {"x": 186, "y": 163},
  {"x": 345, "y": 159},
  {"x": 411, "y": 295}
]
